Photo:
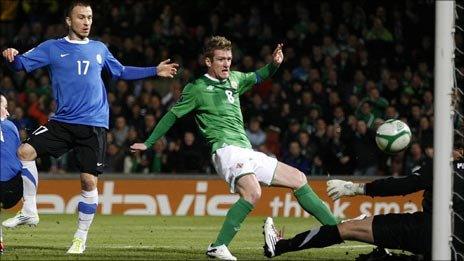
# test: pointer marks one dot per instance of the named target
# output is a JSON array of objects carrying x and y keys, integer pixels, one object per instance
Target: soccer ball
[{"x": 393, "y": 136}]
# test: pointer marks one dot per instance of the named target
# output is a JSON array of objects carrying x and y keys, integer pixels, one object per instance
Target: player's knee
[
  {"x": 26, "y": 152},
  {"x": 253, "y": 196},
  {"x": 88, "y": 182},
  {"x": 355, "y": 230},
  {"x": 299, "y": 179}
]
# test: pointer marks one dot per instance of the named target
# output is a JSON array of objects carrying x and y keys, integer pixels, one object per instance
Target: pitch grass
[{"x": 157, "y": 238}]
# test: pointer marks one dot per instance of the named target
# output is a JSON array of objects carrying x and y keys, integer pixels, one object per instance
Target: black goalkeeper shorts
[
  {"x": 411, "y": 232},
  {"x": 11, "y": 191}
]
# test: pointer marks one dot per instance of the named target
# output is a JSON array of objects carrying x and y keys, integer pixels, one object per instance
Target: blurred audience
[{"x": 348, "y": 66}]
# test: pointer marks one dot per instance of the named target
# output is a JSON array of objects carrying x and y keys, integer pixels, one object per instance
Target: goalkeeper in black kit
[{"x": 404, "y": 231}]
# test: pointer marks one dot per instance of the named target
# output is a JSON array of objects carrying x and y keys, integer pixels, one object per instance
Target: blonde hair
[{"x": 216, "y": 43}]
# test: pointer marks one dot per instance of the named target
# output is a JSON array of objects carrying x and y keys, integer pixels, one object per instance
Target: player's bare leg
[{"x": 359, "y": 230}]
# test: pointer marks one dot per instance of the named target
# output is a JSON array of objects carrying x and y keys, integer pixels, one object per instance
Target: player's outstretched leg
[
  {"x": 316, "y": 238},
  {"x": 87, "y": 207}
]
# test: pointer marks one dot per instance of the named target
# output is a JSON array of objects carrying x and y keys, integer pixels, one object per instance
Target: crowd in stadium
[{"x": 346, "y": 70}]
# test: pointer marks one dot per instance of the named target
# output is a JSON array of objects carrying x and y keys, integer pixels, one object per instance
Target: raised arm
[
  {"x": 12, "y": 61},
  {"x": 269, "y": 69},
  {"x": 119, "y": 71},
  {"x": 164, "y": 69},
  {"x": 31, "y": 60}
]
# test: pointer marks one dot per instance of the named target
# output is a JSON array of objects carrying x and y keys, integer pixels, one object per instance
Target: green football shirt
[{"x": 216, "y": 105}]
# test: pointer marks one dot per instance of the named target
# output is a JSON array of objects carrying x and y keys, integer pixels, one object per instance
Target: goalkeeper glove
[{"x": 337, "y": 188}]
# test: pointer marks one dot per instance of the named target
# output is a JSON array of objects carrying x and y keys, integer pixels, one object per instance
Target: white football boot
[
  {"x": 20, "y": 219},
  {"x": 77, "y": 247},
  {"x": 271, "y": 237},
  {"x": 220, "y": 252}
]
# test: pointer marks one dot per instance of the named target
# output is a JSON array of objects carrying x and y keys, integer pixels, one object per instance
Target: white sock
[
  {"x": 30, "y": 184},
  {"x": 86, "y": 208}
]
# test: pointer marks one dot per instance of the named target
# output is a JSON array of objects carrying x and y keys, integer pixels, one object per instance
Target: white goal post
[{"x": 443, "y": 129}]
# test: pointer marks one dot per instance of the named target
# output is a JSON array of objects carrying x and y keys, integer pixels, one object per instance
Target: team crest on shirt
[
  {"x": 99, "y": 58},
  {"x": 233, "y": 84}
]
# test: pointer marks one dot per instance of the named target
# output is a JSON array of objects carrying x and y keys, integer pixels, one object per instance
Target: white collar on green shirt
[{"x": 214, "y": 79}]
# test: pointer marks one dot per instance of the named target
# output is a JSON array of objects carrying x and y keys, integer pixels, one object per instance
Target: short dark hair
[
  {"x": 75, "y": 3},
  {"x": 2, "y": 94}
]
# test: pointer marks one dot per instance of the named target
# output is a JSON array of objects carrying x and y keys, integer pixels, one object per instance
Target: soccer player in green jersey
[{"x": 214, "y": 98}]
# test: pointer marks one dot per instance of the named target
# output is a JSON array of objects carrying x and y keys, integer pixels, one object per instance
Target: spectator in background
[
  {"x": 365, "y": 150},
  {"x": 172, "y": 157},
  {"x": 378, "y": 103},
  {"x": 21, "y": 122},
  {"x": 157, "y": 157},
  {"x": 255, "y": 134},
  {"x": 190, "y": 161},
  {"x": 120, "y": 131},
  {"x": 391, "y": 113},
  {"x": 425, "y": 133},
  {"x": 136, "y": 118},
  {"x": 341, "y": 162},
  {"x": 308, "y": 148},
  {"x": 414, "y": 158},
  {"x": 149, "y": 124},
  {"x": 379, "y": 32},
  {"x": 292, "y": 131},
  {"x": 427, "y": 103},
  {"x": 296, "y": 159},
  {"x": 364, "y": 113},
  {"x": 114, "y": 162}
]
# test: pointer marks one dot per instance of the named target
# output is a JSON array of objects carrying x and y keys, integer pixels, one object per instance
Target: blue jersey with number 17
[{"x": 75, "y": 72}]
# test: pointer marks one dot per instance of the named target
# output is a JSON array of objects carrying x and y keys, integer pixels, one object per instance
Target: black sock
[{"x": 317, "y": 238}]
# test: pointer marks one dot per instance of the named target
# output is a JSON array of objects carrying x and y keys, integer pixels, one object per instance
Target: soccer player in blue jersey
[
  {"x": 81, "y": 119},
  {"x": 11, "y": 181}
]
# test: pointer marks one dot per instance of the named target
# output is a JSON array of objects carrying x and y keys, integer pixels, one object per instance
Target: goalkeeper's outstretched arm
[{"x": 419, "y": 180}]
